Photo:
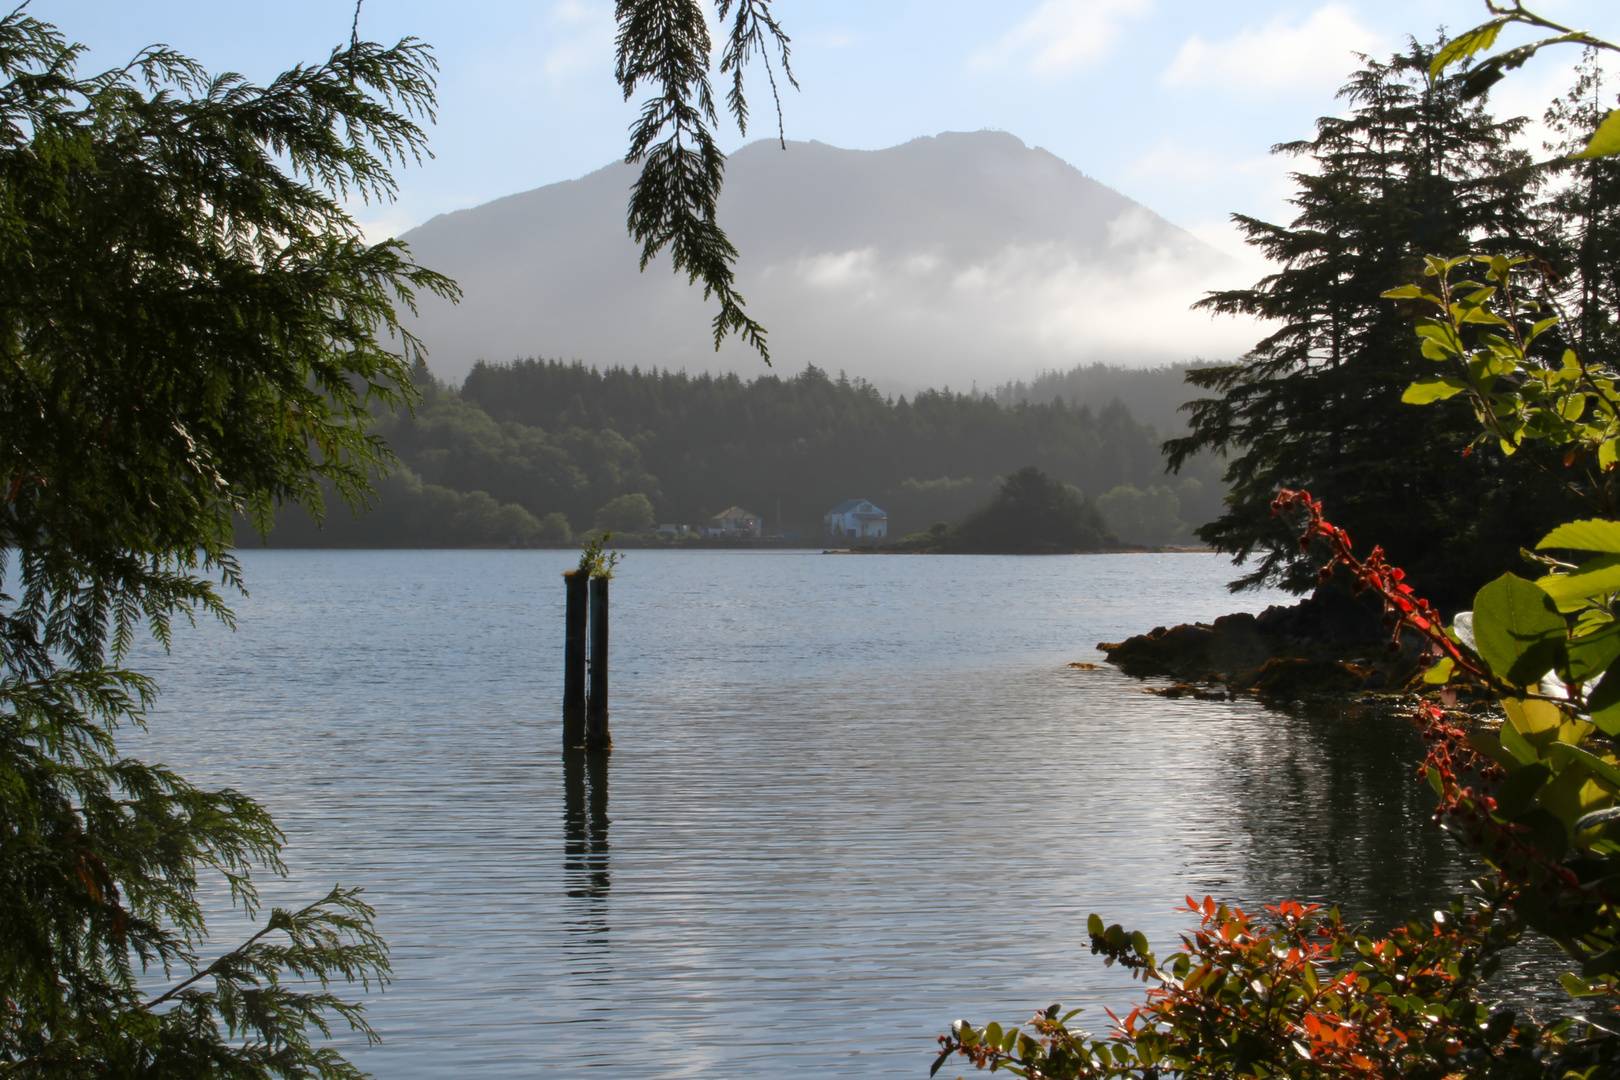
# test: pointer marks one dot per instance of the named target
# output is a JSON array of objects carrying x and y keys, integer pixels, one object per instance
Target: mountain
[{"x": 947, "y": 260}]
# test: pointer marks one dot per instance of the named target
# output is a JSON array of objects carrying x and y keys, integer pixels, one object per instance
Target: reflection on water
[
  {"x": 861, "y": 795},
  {"x": 1331, "y": 804},
  {"x": 586, "y": 876}
]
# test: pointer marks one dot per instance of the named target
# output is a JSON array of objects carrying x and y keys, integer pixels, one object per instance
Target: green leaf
[
  {"x": 1606, "y": 962},
  {"x": 1606, "y": 140},
  {"x": 1517, "y": 629},
  {"x": 1462, "y": 47},
  {"x": 1094, "y": 925},
  {"x": 1603, "y": 705},
  {"x": 1410, "y": 292},
  {"x": 1492, "y": 746},
  {"x": 1440, "y": 673},
  {"x": 1515, "y": 794},
  {"x": 1564, "y": 754},
  {"x": 1439, "y": 332},
  {"x": 1591, "y": 655},
  {"x": 1593, "y": 535},
  {"x": 1547, "y": 831},
  {"x": 1541, "y": 328},
  {"x": 1516, "y": 744},
  {"x": 1578, "y": 987},
  {"x": 1596, "y": 577},
  {"x": 1434, "y": 388},
  {"x": 1591, "y": 621},
  {"x": 1483, "y": 315},
  {"x": 1433, "y": 350}
]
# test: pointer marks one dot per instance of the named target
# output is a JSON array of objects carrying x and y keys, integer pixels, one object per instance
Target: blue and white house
[{"x": 856, "y": 519}]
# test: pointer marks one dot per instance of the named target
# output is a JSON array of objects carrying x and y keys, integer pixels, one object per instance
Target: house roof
[
  {"x": 733, "y": 514},
  {"x": 849, "y": 505}
]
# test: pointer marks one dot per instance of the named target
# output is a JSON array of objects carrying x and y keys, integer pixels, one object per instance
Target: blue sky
[{"x": 1173, "y": 102}]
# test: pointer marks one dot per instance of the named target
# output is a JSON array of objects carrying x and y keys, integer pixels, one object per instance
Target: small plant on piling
[{"x": 595, "y": 561}]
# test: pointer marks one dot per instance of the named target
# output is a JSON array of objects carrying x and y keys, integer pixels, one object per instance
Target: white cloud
[
  {"x": 1039, "y": 305},
  {"x": 1060, "y": 35},
  {"x": 1317, "y": 54},
  {"x": 839, "y": 270}
]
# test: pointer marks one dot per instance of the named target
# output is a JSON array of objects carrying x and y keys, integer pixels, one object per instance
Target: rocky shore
[{"x": 1328, "y": 644}]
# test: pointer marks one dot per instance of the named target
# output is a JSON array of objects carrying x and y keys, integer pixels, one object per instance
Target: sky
[{"x": 1175, "y": 103}]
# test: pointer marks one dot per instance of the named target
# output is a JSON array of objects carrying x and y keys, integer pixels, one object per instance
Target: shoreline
[{"x": 1041, "y": 554}]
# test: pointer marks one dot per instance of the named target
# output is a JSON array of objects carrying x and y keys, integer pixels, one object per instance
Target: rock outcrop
[{"x": 1330, "y": 643}]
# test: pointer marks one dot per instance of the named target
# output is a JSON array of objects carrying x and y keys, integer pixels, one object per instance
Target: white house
[
  {"x": 856, "y": 519},
  {"x": 735, "y": 522}
]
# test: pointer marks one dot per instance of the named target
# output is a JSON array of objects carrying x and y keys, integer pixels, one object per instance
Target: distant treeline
[
  {"x": 1154, "y": 395},
  {"x": 539, "y": 451}
]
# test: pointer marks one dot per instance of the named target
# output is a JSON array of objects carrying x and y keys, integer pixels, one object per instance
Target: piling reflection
[{"x": 586, "y": 875}]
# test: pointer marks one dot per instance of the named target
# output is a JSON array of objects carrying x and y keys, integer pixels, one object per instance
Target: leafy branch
[
  {"x": 332, "y": 937},
  {"x": 1487, "y": 334},
  {"x": 1489, "y": 71}
]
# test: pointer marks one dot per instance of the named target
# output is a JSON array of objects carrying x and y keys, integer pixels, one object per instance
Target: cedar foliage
[
  {"x": 191, "y": 329},
  {"x": 1413, "y": 168},
  {"x": 666, "y": 43}
]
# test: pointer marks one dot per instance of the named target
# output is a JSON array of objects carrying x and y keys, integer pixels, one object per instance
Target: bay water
[{"x": 851, "y": 798}]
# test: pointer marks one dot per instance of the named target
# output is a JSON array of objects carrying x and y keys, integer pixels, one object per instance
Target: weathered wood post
[
  {"x": 576, "y": 583},
  {"x": 596, "y": 704}
]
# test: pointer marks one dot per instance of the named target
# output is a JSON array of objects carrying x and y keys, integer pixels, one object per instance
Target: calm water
[{"x": 850, "y": 800}]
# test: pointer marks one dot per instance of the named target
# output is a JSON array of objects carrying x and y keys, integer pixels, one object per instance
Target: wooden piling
[
  {"x": 576, "y": 583},
  {"x": 596, "y": 702}
]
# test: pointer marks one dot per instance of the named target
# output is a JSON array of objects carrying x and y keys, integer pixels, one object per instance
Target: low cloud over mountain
[{"x": 950, "y": 259}]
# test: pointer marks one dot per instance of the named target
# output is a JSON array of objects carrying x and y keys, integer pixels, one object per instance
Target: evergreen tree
[
  {"x": 1414, "y": 168},
  {"x": 1032, "y": 514},
  {"x": 1584, "y": 242},
  {"x": 191, "y": 328}
]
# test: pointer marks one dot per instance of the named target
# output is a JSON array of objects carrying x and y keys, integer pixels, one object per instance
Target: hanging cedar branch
[{"x": 666, "y": 43}]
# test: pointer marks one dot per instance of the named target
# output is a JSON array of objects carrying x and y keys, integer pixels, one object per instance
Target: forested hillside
[
  {"x": 539, "y": 451},
  {"x": 1153, "y": 394}
]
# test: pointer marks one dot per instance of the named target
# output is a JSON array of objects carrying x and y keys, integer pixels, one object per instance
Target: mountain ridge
[{"x": 948, "y": 258}]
